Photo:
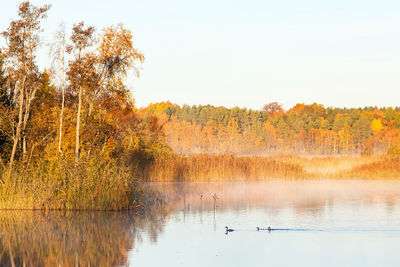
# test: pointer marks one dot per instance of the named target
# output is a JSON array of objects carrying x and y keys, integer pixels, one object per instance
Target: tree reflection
[{"x": 29, "y": 238}]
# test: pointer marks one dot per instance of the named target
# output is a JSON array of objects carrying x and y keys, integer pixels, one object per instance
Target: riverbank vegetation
[{"x": 71, "y": 137}]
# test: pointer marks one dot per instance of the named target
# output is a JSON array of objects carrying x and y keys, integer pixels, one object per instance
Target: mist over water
[
  {"x": 322, "y": 222},
  {"x": 317, "y": 223}
]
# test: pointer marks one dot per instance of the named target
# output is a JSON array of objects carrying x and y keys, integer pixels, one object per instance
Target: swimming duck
[
  {"x": 228, "y": 230},
  {"x": 269, "y": 228}
]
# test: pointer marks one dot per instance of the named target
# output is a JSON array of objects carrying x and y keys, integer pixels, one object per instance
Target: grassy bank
[{"x": 65, "y": 186}]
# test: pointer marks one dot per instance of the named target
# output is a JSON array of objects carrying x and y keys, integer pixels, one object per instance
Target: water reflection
[
  {"x": 30, "y": 238},
  {"x": 305, "y": 196},
  {"x": 196, "y": 220},
  {"x": 316, "y": 222}
]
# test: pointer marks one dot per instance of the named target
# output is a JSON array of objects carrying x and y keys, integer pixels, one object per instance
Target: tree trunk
[
  {"x": 23, "y": 133},
  {"x": 63, "y": 94},
  {"x": 61, "y": 118},
  {"x": 23, "y": 145},
  {"x": 29, "y": 96},
  {"x": 18, "y": 130},
  {"x": 78, "y": 122}
]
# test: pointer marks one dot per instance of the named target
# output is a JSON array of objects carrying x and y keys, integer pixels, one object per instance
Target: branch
[{"x": 6, "y": 133}]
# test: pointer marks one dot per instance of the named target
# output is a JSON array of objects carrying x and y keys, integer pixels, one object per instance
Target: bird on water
[
  {"x": 269, "y": 228},
  {"x": 228, "y": 230}
]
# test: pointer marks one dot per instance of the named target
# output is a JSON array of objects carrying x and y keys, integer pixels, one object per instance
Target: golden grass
[
  {"x": 387, "y": 167},
  {"x": 206, "y": 167},
  {"x": 65, "y": 186},
  {"x": 93, "y": 185}
]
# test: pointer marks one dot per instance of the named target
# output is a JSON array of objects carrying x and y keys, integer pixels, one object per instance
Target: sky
[{"x": 342, "y": 53}]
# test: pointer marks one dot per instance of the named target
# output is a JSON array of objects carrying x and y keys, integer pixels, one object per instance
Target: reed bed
[
  {"x": 206, "y": 167},
  {"x": 63, "y": 185},
  {"x": 330, "y": 166},
  {"x": 93, "y": 185},
  {"x": 386, "y": 167}
]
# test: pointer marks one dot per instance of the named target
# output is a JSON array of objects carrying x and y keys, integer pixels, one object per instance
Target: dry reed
[
  {"x": 223, "y": 167},
  {"x": 205, "y": 167},
  {"x": 63, "y": 185}
]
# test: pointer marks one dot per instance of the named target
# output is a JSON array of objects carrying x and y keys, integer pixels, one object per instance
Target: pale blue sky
[{"x": 248, "y": 53}]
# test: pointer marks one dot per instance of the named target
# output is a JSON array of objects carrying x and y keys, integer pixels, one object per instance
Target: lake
[{"x": 321, "y": 222}]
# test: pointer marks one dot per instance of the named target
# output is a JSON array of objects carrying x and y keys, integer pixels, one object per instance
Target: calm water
[{"x": 328, "y": 223}]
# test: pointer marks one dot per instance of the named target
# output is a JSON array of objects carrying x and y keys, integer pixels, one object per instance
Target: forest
[{"x": 301, "y": 130}]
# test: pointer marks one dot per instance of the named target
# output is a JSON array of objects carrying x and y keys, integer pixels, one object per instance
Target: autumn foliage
[
  {"x": 302, "y": 130},
  {"x": 78, "y": 143}
]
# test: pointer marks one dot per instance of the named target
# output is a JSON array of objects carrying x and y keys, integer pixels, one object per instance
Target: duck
[
  {"x": 269, "y": 228},
  {"x": 228, "y": 230}
]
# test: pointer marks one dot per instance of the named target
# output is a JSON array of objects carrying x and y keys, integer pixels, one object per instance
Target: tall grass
[
  {"x": 62, "y": 185},
  {"x": 206, "y": 167},
  {"x": 385, "y": 167},
  {"x": 95, "y": 185}
]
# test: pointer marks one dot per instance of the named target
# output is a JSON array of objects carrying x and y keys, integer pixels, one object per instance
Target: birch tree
[
  {"x": 81, "y": 69},
  {"x": 57, "y": 52},
  {"x": 23, "y": 40}
]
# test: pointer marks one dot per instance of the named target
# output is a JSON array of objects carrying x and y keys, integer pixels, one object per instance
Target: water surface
[
  {"x": 323, "y": 222},
  {"x": 328, "y": 222}
]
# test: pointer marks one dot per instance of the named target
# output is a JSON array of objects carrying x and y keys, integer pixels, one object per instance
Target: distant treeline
[{"x": 303, "y": 129}]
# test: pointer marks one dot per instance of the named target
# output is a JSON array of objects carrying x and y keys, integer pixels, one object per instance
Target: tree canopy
[{"x": 303, "y": 129}]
